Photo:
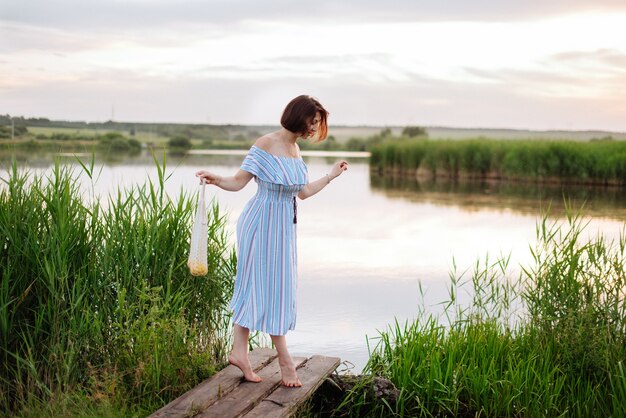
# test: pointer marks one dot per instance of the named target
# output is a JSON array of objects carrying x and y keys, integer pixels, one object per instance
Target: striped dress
[{"x": 265, "y": 286}]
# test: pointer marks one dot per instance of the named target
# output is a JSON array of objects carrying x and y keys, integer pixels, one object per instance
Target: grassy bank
[
  {"x": 98, "y": 313},
  {"x": 595, "y": 162},
  {"x": 550, "y": 342}
]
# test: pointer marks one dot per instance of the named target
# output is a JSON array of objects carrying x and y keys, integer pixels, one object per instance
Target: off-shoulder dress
[{"x": 264, "y": 298}]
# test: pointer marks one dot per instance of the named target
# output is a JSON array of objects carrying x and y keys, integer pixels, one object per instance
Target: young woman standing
[{"x": 265, "y": 286}]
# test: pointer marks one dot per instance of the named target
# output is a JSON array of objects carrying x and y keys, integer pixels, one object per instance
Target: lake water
[{"x": 365, "y": 243}]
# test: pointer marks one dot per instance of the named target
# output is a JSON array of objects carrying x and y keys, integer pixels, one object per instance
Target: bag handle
[
  {"x": 201, "y": 191},
  {"x": 201, "y": 204}
]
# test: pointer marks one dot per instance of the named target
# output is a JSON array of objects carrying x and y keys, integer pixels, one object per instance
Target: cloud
[
  {"x": 607, "y": 58},
  {"x": 117, "y": 14},
  {"x": 238, "y": 61},
  {"x": 351, "y": 101},
  {"x": 596, "y": 75},
  {"x": 18, "y": 37}
]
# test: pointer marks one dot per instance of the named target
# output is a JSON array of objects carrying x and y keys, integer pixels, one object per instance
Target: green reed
[
  {"x": 548, "y": 342},
  {"x": 96, "y": 298},
  {"x": 602, "y": 162}
]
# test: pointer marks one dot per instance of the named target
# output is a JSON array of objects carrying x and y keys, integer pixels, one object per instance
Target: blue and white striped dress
[{"x": 265, "y": 286}]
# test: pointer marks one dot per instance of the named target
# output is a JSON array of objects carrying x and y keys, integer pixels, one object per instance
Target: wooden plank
[
  {"x": 284, "y": 401},
  {"x": 247, "y": 395},
  {"x": 214, "y": 388}
]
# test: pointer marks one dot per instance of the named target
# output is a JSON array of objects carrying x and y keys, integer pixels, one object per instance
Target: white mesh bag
[{"x": 197, "y": 262}]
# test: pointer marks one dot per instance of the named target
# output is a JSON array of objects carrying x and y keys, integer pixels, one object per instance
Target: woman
[{"x": 265, "y": 287}]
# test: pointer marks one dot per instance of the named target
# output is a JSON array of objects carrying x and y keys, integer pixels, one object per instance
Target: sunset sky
[{"x": 488, "y": 63}]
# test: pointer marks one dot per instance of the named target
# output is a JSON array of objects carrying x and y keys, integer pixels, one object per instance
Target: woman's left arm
[{"x": 317, "y": 185}]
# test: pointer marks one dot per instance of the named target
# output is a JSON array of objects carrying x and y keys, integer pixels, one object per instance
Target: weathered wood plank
[
  {"x": 247, "y": 395},
  {"x": 284, "y": 401},
  {"x": 214, "y": 388}
]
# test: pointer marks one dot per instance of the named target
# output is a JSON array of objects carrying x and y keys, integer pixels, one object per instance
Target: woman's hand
[
  {"x": 314, "y": 187},
  {"x": 338, "y": 168},
  {"x": 209, "y": 178}
]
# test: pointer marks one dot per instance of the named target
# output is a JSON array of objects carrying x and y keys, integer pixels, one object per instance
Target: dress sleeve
[{"x": 251, "y": 163}]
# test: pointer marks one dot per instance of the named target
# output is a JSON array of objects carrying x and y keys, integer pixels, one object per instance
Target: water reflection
[{"x": 525, "y": 198}]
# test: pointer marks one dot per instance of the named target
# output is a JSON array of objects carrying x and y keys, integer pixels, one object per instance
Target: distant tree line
[
  {"x": 365, "y": 144},
  {"x": 21, "y": 120},
  {"x": 202, "y": 132},
  {"x": 12, "y": 126},
  {"x": 413, "y": 131},
  {"x": 18, "y": 130},
  {"x": 115, "y": 141}
]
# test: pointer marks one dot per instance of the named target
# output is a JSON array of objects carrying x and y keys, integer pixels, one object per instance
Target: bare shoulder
[{"x": 265, "y": 142}]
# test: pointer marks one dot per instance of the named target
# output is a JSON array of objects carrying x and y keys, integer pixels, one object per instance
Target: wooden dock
[{"x": 226, "y": 394}]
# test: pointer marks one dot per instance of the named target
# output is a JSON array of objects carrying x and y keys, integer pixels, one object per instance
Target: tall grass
[
  {"x": 97, "y": 299},
  {"x": 601, "y": 162},
  {"x": 549, "y": 343}
]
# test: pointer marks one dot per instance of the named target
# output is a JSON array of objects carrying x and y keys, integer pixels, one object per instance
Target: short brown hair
[{"x": 300, "y": 111}]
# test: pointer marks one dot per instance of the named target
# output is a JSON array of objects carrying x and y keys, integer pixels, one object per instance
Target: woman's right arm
[{"x": 231, "y": 183}]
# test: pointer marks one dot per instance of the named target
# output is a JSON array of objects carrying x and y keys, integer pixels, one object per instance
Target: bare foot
[
  {"x": 243, "y": 364},
  {"x": 289, "y": 375}
]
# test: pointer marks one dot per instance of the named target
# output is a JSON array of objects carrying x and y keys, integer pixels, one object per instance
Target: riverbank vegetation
[
  {"x": 549, "y": 342},
  {"x": 99, "y": 315},
  {"x": 594, "y": 162},
  {"x": 449, "y": 152}
]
